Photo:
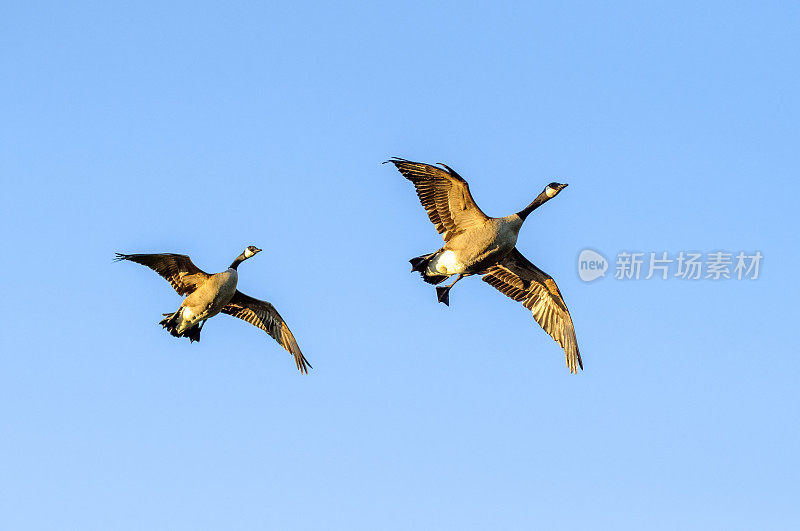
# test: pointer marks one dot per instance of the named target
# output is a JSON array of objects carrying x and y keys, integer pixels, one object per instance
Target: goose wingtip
[{"x": 303, "y": 366}]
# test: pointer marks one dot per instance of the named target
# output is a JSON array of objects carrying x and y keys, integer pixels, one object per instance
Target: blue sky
[{"x": 201, "y": 128}]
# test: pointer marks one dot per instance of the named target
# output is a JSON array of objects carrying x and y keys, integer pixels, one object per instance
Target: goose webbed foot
[{"x": 443, "y": 294}]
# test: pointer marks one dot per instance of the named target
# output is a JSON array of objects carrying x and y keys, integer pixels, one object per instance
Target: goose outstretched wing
[
  {"x": 264, "y": 316},
  {"x": 519, "y": 279},
  {"x": 177, "y": 269},
  {"x": 445, "y": 196}
]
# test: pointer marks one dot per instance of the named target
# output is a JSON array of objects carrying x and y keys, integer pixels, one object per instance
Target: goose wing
[
  {"x": 445, "y": 196},
  {"x": 177, "y": 269},
  {"x": 264, "y": 316},
  {"x": 519, "y": 279}
]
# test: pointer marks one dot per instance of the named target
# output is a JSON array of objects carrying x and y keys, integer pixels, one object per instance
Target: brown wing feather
[
  {"x": 264, "y": 316},
  {"x": 177, "y": 269},
  {"x": 519, "y": 279},
  {"x": 445, "y": 196}
]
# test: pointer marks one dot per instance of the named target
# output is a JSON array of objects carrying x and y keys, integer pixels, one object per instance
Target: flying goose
[
  {"x": 210, "y": 294},
  {"x": 476, "y": 244}
]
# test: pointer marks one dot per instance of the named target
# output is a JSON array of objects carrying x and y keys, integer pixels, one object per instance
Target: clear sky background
[{"x": 203, "y": 127}]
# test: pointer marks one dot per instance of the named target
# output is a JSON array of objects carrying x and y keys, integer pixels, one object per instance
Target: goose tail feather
[
  {"x": 420, "y": 263},
  {"x": 172, "y": 322}
]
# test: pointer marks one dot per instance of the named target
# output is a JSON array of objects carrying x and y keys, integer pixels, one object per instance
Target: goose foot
[{"x": 443, "y": 294}]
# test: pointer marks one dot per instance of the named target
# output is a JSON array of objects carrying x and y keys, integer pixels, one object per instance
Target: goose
[
  {"x": 210, "y": 294},
  {"x": 476, "y": 244}
]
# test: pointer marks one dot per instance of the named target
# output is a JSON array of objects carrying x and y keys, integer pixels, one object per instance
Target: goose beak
[{"x": 258, "y": 250}]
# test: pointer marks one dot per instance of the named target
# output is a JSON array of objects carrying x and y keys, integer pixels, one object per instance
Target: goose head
[
  {"x": 549, "y": 192},
  {"x": 250, "y": 251},
  {"x": 552, "y": 189}
]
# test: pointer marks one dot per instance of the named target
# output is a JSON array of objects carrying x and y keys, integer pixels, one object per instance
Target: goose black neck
[
  {"x": 239, "y": 260},
  {"x": 539, "y": 201}
]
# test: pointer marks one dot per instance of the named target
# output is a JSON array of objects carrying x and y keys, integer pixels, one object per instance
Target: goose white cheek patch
[{"x": 551, "y": 192}]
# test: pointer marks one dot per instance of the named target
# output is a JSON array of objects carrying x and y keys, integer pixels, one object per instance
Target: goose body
[
  {"x": 208, "y": 299},
  {"x": 476, "y": 244},
  {"x": 211, "y": 294},
  {"x": 471, "y": 252}
]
